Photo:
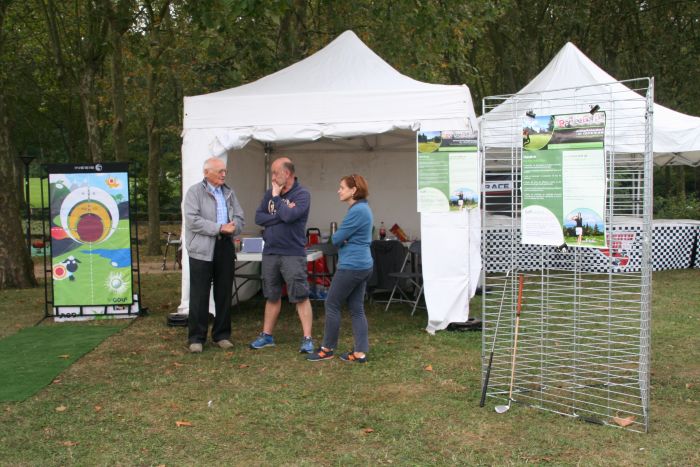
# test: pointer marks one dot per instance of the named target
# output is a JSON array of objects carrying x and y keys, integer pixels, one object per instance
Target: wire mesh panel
[{"x": 581, "y": 346}]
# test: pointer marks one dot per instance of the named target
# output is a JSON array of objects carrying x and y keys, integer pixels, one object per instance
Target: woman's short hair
[{"x": 359, "y": 182}]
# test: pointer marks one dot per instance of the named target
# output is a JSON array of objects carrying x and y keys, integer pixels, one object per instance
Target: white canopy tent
[
  {"x": 570, "y": 81},
  {"x": 339, "y": 111}
]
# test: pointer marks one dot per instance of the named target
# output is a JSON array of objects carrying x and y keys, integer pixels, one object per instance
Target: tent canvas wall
[
  {"x": 364, "y": 112},
  {"x": 387, "y": 161},
  {"x": 569, "y": 84}
]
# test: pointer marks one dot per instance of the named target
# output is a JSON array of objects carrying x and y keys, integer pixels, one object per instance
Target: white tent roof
[
  {"x": 343, "y": 90},
  {"x": 676, "y": 136}
]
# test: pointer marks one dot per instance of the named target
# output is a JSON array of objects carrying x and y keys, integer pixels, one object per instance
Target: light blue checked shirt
[{"x": 221, "y": 211}]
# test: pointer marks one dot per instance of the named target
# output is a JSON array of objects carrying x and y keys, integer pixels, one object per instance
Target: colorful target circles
[
  {"x": 112, "y": 182},
  {"x": 57, "y": 233},
  {"x": 89, "y": 221},
  {"x": 60, "y": 272},
  {"x": 89, "y": 215}
]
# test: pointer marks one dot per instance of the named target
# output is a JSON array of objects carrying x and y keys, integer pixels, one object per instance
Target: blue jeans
[{"x": 347, "y": 285}]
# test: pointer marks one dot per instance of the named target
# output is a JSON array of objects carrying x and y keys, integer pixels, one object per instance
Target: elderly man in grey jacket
[{"x": 213, "y": 217}]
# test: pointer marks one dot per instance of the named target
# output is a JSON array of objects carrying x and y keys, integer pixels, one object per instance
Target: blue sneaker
[
  {"x": 307, "y": 345},
  {"x": 263, "y": 340}
]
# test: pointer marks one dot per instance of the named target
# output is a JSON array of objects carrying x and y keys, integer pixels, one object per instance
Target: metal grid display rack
[{"x": 583, "y": 342}]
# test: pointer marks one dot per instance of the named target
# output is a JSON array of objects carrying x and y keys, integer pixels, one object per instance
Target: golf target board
[{"x": 90, "y": 231}]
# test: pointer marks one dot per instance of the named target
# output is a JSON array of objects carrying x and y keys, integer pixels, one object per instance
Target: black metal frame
[{"x": 51, "y": 311}]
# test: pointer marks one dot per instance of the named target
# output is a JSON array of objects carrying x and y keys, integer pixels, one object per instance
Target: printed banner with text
[
  {"x": 447, "y": 171},
  {"x": 563, "y": 180}
]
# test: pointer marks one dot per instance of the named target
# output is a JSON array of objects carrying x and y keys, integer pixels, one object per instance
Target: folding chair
[
  {"x": 409, "y": 277},
  {"x": 388, "y": 257},
  {"x": 172, "y": 239}
]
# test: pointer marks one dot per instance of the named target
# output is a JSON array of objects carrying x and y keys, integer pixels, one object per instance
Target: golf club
[
  {"x": 493, "y": 343},
  {"x": 505, "y": 408}
]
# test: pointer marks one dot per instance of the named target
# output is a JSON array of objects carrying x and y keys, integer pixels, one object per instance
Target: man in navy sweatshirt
[{"x": 283, "y": 213}]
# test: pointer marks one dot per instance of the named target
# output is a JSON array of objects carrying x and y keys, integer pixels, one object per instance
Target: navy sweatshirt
[{"x": 285, "y": 227}]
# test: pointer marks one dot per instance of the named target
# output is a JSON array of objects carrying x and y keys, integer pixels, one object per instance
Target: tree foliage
[{"x": 104, "y": 79}]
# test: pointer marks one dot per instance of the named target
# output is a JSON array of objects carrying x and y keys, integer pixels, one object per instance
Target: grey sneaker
[
  {"x": 307, "y": 345},
  {"x": 350, "y": 357},
  {"x": 224, "y": 344},
  {"x": 320, "y": 355},
  {"x": 263, "y": 340},
  {"x": 195, "y": 348}
]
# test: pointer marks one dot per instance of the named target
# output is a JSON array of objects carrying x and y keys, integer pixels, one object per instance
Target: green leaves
[{"x": 200, "y": 47}]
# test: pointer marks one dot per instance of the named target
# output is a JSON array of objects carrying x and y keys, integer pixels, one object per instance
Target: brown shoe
[
  {"x": 224, "y": 344},
  {"x": 195, "y": 348}
]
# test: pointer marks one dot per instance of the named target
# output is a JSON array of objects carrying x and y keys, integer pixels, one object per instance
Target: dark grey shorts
[{"x": 277, "y": 270}]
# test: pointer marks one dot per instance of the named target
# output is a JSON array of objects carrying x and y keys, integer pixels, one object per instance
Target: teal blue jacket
[{"x": 354, "y": 236}]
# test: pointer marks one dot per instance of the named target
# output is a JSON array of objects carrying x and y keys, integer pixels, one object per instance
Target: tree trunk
[
  {"x": 153, "y": 133},
  {"x": 679, "y": 181},
  {"x": 16, "y": 267},
  {"x": 291, "y": 32},
  {"x": 89, "y": 104},
  {"x": 77, "y": 68},
  {"x": 158, "y": 43},
  {"x": 505, "y": 79},
  {"x": 118, "y": 99}
]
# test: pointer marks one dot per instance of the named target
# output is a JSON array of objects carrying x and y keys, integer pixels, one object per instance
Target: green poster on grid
[
  {"x": 563, "y": 180},
  {"x": 447, "y": 171},
  {"x": 90, "y": 235}
]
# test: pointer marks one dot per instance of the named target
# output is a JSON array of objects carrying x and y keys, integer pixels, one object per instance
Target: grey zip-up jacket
[{"x": 200, "y": 219}]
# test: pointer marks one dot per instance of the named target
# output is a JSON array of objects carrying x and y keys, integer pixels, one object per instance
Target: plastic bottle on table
[{"x": 382, "y": 231}]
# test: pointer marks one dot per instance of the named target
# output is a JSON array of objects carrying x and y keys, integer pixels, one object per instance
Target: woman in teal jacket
[{"x": 353, "y": 240}]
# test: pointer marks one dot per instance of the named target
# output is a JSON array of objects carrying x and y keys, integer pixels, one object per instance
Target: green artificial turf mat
[{"x": 31, "y": 358}]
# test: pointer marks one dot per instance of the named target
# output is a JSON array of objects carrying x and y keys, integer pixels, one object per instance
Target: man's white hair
[{"x": 209, "y": 162}]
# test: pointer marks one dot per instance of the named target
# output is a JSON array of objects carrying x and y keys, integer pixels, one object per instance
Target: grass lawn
[
  {"x": 587, "y": 241},
  {"x": 121, "y": 403},
  {"x": 428, "y": 147},
  {"x": 537, "y": 141}
]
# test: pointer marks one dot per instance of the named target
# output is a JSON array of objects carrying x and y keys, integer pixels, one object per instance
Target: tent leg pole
[{"x": 268, "y": 160}]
